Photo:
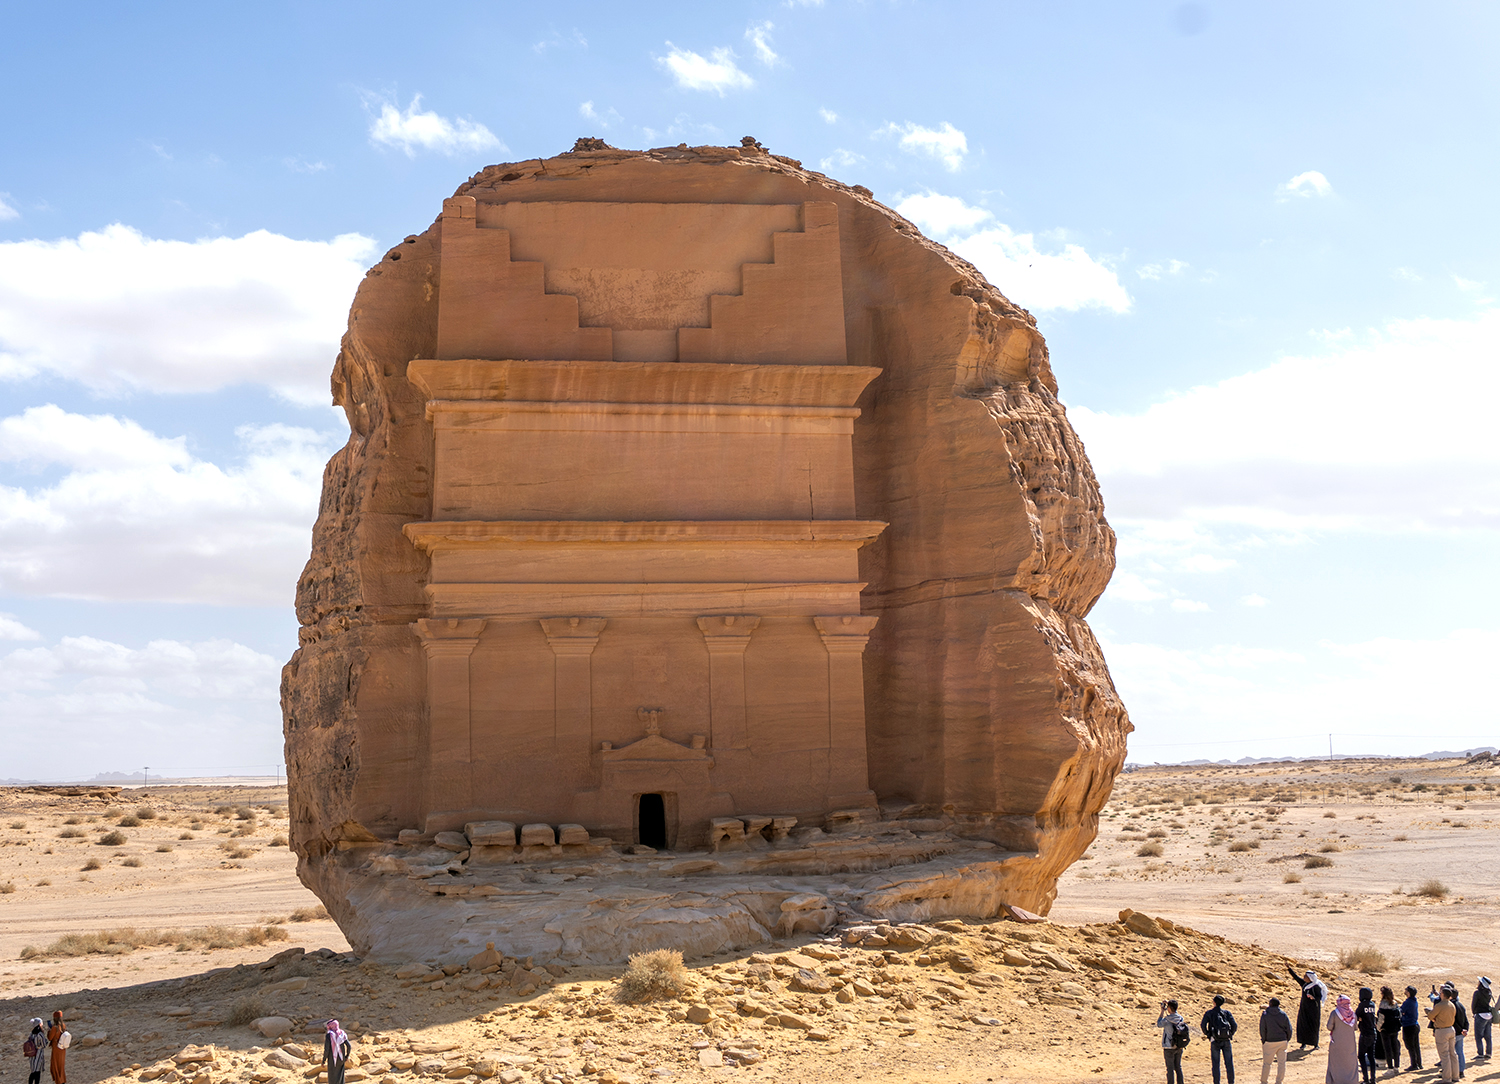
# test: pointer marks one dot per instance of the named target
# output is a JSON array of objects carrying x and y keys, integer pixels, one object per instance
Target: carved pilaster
[
  {"x": 845, "y": 637},
  {"x": 573, "y": 640},
  {"x": 448, "y": 643},
  {"x": 727, "y": 636}
]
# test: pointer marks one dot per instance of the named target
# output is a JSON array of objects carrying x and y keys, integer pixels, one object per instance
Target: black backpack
[{"x": 1181, "y": 1036}]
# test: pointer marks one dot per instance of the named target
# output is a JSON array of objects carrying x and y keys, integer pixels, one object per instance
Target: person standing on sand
[
  {"x": 1219, "y": 1027},
  {"x": 1275, "y": 1033},
  {"x": 1441, "y": 1017},
  {"x": 1310, "y": 1011},
  {"x": 37, "y": 1060},
  {"x": 1460, "y": 1025},
  {"x": 1411, "y": 1029},
  {"x": 1170, "y": 1021},
  {"x": 1367, "y": 1022},
  {"x": 60, "y": 1040},
  {"x": 1390, "y": 1029},
  {"x": 1343, "y": 1044},
  {"x": 1482, "y": 1005}
]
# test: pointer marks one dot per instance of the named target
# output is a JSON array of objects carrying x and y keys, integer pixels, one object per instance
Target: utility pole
[
  {"x": 1330, "y": 748},
  {"x": 146, "y": 780}
]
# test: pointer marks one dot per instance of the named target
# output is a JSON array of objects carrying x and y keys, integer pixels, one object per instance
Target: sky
[{"x": 1261, "y": 241}]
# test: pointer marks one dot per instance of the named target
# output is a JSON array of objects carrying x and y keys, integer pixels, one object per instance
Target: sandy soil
[{"x": 1076, "y": 1001}]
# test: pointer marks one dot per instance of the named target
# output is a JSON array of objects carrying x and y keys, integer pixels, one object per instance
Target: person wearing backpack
[
  {"x": 60, "y": 1038},
  {"x": 36, "y": 1049},
  {"x": 1174, "y": 1039},
  {"x": 1219, "y": 1026}
]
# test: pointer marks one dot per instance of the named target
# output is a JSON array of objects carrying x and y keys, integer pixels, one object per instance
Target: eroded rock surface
[{"x": 694, "y": 503}]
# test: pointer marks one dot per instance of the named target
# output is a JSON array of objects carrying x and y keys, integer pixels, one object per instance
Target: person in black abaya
[{"x": 1310, "y": 1008}]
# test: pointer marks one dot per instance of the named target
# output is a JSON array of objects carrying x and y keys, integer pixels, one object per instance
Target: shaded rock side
[{"x": 987, "y": 698}]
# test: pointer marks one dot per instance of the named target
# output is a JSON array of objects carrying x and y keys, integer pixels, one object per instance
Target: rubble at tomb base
[{"x": 705, "y": 537}]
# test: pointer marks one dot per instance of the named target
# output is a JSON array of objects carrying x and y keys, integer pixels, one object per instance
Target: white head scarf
[{"x": 1313, "y": 980}]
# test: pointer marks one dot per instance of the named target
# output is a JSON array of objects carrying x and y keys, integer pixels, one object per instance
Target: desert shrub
[
  {"x": 146, "y": 813},
  {"x": 132, "y": 862},
  {"x": 1330, "y": 848},
  {"x": 113, "y": 839},
  {"x": 309, "y": 914},
  {"x": 1157, "y": 833},
  {"x": 196, "y": 825},
  {"x": 92, "y": 863},
  {"x": 1239, "y": 846},
  {"x": 1317, "y": 861},
  {"x": 278, "y": 841},
  {"x": 187, "y": 835},
  {"x": 43, "y": 883},
  {"x": 131, "y": 821},
  {"x": 1291, "y": 877},
  {"x": 248, "y": 1008},
  {"x": 1367, "y": 958},
  {"x": 240, "y": 833},
  {"x": 653, "y": 975},
  {"x": 1399, "y": 839},
  {"x": 1419, "y": 786},
  {"x": 1432, "y": 889},
  {"x": 244, "y": 813},
  {"x": 241, "y": 852},
  {"x": 7, "y": 888},
  {"x": 73, "y": 820},
  {"x": 164, "y": 848},
  {"x": 1330, "y": 813},
  {"x": 1149, "y": 850},
  {"x": 70, "y": 833}
]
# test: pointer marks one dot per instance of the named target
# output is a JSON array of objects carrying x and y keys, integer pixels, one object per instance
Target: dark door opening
[{"x": 651, "y": 821}]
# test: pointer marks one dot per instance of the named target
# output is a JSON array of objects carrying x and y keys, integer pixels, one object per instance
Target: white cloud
[
  {"x": 1204, "y": 562},
  {"x": 1406, "y": 274},
  {"x": 940, "y": 215},
  {"x": 1255, "y": 601},
  {"x": 840, "y": 159},
  {"x": 1132, "y": 587},
  {"x": 413, "y": 129},
  {"x": 693, "y": 71},
  {"x": 1377, "y": 696},
  {"x": 1189, "y": 606},
  {"x": 608, "y": 119},
  {"x": 118, "y": 311},
  {"x": 124, "y": 514},
  {"x": 759, "y": 37},
  {"x": 1311, "y": 183},
  {"x": 11, "y": 628},
  {"x": 169, "y": 704},
  {"x": 1038, "y": 280},
  {"x": 1334, "y": 440},
  {"x": 945, "y": 143},
  {"x": 828, "y": 115},
  {"x": 1154, "y": 271},
  {"x": 556, "y": 40},
  {"x": 7, "y": 212},
  {"x": 302, "y": 165}
]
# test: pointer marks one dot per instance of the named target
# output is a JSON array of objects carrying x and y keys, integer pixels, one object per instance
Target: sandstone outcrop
[{"x": 699, "y": 519}]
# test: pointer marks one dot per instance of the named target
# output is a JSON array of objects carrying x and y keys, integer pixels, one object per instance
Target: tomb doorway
[{"x": 651, "y": 821}]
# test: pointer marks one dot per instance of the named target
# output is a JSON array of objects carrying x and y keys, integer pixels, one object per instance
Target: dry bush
[
  {"x": 132, "y": 862},
  {"x": 248, "y": 1008},
  {"x": 1432, "y": 889},
  {"x": 131, "y": 821},
  {"x": 245, "y": 813},
  {"x": 1239, "y": 846},
  {"x": 1157, "y": 833},
  {"x": 278, "y": 841},
  {"x": 44, "y": 882},
  {"x": 164, "y": 848},
  {"x": 146, "y": 813},
  {"x": 309, "y": 914},
  {"x": 1330, "y": 813},
  {"x": 653, "y": 975},
  {"x": 1330, "y": 848},
  {"x": 1149, "y": 850},
  {"x": 92, "y": 863},
  {"x": 70, "y": 833},
  {"x": 7, "y": 888},
  {"x": 187, "y": 835},
  {"x": 1367, "y": 958},
  {"x": 1399, "y": 839},
  {"x": 1291, "y": 877},
  {"x": 1317, "y": 861},
  {"x": 113, "y": 839},
  {"x": 242, "y": 852},
  {"x": 73, "y": 820}
]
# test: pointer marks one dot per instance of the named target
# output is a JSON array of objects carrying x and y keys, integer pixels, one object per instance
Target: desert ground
[{"x": 195, "y": 923}]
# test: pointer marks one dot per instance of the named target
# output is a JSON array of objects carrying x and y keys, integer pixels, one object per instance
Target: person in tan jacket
[{"x": 1441, "y": 1017}]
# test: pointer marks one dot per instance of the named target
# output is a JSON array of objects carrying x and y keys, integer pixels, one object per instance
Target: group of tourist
[
  {"x": 46, "y": 1047},
  {"x": 1362, "y": 1038}
]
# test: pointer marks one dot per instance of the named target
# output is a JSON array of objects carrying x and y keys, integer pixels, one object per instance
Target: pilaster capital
[
  {"x": 450, "y": 636},
  {"x": 728, "y": 634},
  {"x": 573, "y": 636},
  {"x": 845, "y": 634}
]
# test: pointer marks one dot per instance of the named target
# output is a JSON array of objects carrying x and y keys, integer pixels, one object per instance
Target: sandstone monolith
[{"x": 709, "y": 560}]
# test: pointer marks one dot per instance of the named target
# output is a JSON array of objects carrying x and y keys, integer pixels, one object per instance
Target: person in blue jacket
[{"x": 1411, "y": 1029}]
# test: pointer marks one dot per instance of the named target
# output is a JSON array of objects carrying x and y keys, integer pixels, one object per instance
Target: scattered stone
[
  {"x": 272, "y": 1026},
  {"x": 280, "y": 1059}
]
